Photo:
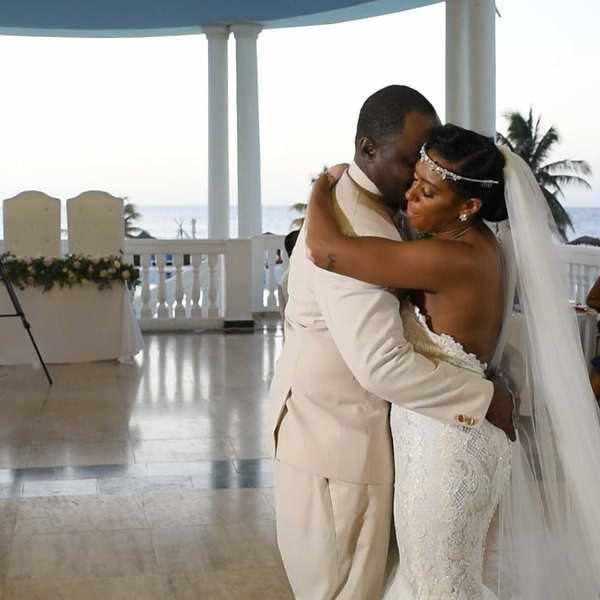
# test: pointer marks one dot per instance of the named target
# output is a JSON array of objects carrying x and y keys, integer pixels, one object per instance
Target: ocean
[{"x": 171, "y": 222}]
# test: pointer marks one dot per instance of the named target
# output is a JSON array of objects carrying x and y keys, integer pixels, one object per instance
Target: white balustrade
[
  {"x": 582, "y": 268},
  {"x": 179, "y": 309},
  {"x": 269, "y": 260},
  {"x": 145, "y": 311},
  {"x": 204, "y": 284},
  {"x": 195, "y": 308}
]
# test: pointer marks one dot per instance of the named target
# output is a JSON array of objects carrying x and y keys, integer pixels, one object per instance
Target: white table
[{"x": 69, "y": 325}]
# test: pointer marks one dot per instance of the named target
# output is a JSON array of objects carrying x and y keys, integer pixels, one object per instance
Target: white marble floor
[{"x": 142, "y": 481}]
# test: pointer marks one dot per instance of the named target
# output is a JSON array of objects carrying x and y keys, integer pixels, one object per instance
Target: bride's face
[{"x": 433, "y": 205}]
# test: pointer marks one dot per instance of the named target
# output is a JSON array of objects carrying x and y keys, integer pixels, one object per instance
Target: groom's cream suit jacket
[{"x": 345, "y": 359}]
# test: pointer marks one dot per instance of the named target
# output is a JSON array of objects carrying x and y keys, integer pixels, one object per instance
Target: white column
[
  {"x": 248, "y": 134},
  {"x": 457, "y": 50},
  {"x": 482, "y": 66},
  {"x": 218, "y": 132},
  {"x": 238, "y": 276}
]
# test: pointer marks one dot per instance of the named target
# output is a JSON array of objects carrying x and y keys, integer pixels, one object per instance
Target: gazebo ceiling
[{"x": 136, "y": 18}]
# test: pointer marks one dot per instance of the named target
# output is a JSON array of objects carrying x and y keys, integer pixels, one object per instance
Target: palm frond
[
  {"x": 543, "y": 147},
  {"x": 501, "y": 139},
  {"x": 524, "y": 137},
  {"x": 559, "y": 214},
  {"x": 299, "y": 207},
  {"x": 574, "y": 166}
]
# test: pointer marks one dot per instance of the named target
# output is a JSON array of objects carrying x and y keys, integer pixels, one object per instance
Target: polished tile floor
[{"x": 142, "y": 481}]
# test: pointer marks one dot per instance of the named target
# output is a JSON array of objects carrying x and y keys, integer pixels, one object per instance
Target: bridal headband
[{"x": 446, "y": 174}]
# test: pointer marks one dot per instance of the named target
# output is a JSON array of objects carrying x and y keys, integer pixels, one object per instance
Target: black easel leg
[{"x": 19, "y": 313}]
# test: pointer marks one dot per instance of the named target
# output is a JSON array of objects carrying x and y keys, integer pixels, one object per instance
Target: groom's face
[{"x": 391, "y": 166}]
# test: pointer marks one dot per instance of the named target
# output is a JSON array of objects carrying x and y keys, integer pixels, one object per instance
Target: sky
[{"x": 129, "y": 116}]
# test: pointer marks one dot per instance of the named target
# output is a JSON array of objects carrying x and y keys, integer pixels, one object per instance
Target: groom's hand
[{"x": 504, "y": 407}]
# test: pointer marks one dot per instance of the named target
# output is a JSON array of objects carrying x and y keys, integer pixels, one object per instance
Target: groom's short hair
[{"x": 383, "y": 113}]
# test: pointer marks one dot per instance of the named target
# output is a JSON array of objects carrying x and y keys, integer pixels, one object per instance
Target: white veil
[{"x": 548, "y": 546}]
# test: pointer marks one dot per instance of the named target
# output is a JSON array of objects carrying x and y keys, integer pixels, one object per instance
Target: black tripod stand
[{"x": 19, "y": 313}]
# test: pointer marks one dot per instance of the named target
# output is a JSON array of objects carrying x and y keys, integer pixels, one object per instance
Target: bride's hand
[
  {"x": 335, "y": 173},
  {"x": 503, "y": 411}
]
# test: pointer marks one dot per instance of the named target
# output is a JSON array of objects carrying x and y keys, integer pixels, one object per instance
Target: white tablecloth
[
  {"x": 516, "y": 350},
  {"x": 78, "y": 324}
]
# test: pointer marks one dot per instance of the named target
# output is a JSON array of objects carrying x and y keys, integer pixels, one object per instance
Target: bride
[{"x": 450, "y": 480}]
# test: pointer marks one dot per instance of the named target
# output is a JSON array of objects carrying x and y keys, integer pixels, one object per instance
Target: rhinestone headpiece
[{"x": 446, "y": 174}]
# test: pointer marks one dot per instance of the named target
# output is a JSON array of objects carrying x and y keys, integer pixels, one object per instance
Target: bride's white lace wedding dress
[
  {"x": 448, "y": 483},
  {"x": 449, "y": 479}
]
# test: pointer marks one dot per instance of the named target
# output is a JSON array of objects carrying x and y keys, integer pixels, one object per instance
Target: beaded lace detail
[{"x": 449, "y": 480}]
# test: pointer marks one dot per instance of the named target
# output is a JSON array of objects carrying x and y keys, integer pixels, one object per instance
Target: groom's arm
[{"x": 366, "y": 326}]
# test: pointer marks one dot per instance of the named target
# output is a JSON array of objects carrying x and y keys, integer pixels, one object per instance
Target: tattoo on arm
[{"x": 331, "y": 262}]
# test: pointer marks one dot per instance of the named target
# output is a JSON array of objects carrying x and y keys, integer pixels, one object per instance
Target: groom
[{"x": 344, "y": 360}]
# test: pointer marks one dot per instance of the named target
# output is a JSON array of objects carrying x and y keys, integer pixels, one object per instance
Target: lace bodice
[
  {"x": 436, "y": 347},
  {"x": 448, "y": 481}
]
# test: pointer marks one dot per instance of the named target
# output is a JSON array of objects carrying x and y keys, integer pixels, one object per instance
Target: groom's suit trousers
[{"x": 333, "y": 536}]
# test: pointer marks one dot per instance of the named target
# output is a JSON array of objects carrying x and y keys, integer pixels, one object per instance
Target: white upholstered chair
[
  {"x": 32, "y": 224},
  {"x": 95, "y": 224}
]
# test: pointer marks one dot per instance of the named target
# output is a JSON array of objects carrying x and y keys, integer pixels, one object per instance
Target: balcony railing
[
  {"x": 206, "y": 284},
  {"x": 582, "y": 268},
  {"x": 216, "y": 284}
]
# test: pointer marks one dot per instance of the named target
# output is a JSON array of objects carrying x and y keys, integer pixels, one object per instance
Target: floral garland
[{"x": 69, "y": 270}]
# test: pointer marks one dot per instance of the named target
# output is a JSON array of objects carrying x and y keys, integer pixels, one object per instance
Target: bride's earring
[{"x": 462, "y": 217}]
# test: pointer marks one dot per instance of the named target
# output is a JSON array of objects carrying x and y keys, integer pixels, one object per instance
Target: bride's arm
[{"x": 428, "y": 265}]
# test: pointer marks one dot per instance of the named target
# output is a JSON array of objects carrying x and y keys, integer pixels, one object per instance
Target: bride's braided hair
[{"x": 472, "y": 155}]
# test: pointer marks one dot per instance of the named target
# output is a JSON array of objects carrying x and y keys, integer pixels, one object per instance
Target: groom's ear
[{"x": 367, "y": 148}]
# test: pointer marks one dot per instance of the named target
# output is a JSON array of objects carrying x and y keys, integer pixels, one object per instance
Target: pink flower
[{"x": 48, "y": 261}]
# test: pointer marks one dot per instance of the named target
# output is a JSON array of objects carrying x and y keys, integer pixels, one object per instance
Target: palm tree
[
  {"x": 302, "y": 206},
  {"x": 132, "y": 214},
  {"x": 525, "y": 138}
]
